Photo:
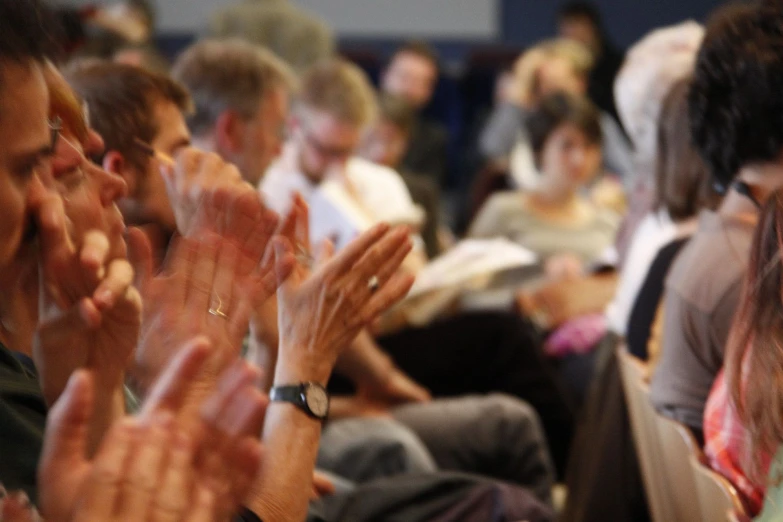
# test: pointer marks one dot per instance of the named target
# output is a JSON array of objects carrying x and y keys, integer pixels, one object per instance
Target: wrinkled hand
[
  {"x": 16, "y": 507},
  {"x": 152, "y": 467},
  {"x": 195, "y": 177},
  {"x": 197, "y": 293},
  {"x": 320, "y": 315},
  {"x": 89, "y": 312}
]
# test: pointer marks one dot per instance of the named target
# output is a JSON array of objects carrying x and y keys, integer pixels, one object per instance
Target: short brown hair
[
  {"x": 121, "y": 99},
  {"x": 340, "y": 88},
  {"x": 683, "y": 182},
  {"x": 421, "y": 49},
  {"x": 559, "y": 109},
  {"x": 397, "y": 111},
  {"x": 228, "y": 74}
]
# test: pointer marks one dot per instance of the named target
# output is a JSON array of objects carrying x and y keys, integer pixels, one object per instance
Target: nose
[
  {"x": 94, "y": 144},
  {"x": 112, "y": 186}
]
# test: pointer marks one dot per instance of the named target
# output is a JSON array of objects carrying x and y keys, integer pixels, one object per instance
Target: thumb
[
  {"x": 65, "y": 438},
  {"x": 140, "y": 257},
  {"x": 284, "y": 261}
]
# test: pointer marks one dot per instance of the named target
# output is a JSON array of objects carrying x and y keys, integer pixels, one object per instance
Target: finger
[
  {"x": 16, "y": 507},
  {"x": 170, "y": 389},
  {"x": 243, "y": 466},
  {"x": 172, "y": 498},
  {"x": 284, "y": 258},
  {"x": 145, "y": 469},
  {"x": 302, "y": 222},
  {"x": 393, "y": 263},
  {"x": 179, "y": 266},
  {"x": 234, "y": 378},
  {"x": 379, "y": 255},
  {"x": 82, "y": 317},
  {"x": 116, "y": 283},
  {"x": 325, "y": 252},
  {"x": 65, "y": 438},
  {"x": 223, "y": 298},
  {"x": 140, "y": 257},
  {"x": 202, "y": 276},
  {"x": 93, "y": 255},
  {"x": 344, "y": 261},
  {"x": 49, "y": 214},
  {"x": 102, "y": 491},
  {"x": 203, "y": 505},
  {"x": 387, "y": 295},
  {"x": 243, "y": 414}
]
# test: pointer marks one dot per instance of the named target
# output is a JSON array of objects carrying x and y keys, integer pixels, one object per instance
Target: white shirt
[
  {"x": 654, "y": 232},
  {"x": 381, "y": 192}
]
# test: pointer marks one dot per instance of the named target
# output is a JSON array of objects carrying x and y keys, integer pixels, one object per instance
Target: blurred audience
[
  {"x": 580, "y": 21},
  {"x": 550, "y": 67},
  {"x": 385, "y": 143},
  {"x": 296, "y": 35},
  {"x": 742, "y": 149},
  {"x": 555, "y": 219},
  {"x": 412, "y": 74}
]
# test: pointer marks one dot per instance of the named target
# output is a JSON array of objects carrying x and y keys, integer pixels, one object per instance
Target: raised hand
[
  {"x": 192, "y": 178},
  {"x": 321, "y": 313},
  {"x": 89, "y": 312},
  {"x": 197, "y": 293},
  {"x": 154, "y": 467}
]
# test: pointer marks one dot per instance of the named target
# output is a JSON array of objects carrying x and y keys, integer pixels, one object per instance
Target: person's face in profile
[
  {"x": 149, "y": 204},
  {"x": 25, "y": 159},
  {"x": 569, "y": 161},
  {"x": 325, "y": 144},
  {"x": 263, "y": 136},
  {"x": 412, "y": 77},
  {"x": 384, "y": 143}
]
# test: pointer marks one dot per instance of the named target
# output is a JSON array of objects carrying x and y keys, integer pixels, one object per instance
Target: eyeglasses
[{"x": 325, "y": 151}]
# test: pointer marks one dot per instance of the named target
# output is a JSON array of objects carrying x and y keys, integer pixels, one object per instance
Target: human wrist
[{"x": 292, "y": 369}]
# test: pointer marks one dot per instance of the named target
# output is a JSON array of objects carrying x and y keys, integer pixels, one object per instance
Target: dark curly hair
[{"x": 736, "y": 99}]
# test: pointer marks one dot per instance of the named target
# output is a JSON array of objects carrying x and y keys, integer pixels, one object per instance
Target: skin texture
[{"x": 412, "y": 77}]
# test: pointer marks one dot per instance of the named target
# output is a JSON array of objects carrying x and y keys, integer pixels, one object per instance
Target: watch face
[{"x": 317, "y": 400}]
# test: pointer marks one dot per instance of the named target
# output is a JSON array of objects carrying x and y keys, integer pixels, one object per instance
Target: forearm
[
  {"x": 364, "y": 362},
  {"x": 291, "y": 439}
]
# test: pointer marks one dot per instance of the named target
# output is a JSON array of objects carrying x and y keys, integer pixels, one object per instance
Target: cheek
[{"x": 13, "y": 218}]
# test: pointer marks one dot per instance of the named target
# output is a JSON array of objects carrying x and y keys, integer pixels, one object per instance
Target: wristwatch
[{"x": 310, "y": 397}]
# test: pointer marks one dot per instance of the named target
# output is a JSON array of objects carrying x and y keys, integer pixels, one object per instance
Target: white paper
[
  {"x": 334, "y": 215},
  {"x": 469, "y": 259}
]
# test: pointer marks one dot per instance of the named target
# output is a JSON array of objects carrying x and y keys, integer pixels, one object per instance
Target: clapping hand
[
  {"x": 153, "y": 467},
  {"x": 321, "y": 313}
]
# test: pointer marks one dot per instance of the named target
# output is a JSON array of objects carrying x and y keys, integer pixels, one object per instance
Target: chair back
[
  {"x": 645, "y": 435},
  {"x": 718, "y": 499},
  {"x": 678, "y": 446}
]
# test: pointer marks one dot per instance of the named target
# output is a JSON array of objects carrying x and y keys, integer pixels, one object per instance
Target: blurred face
[
  {"x": 24, "y": 156},
  {"x": 263, "y": 136},
  {"x": 325, "y": 144},
  {"x": 568, "y": 160},
  {"x": 412, "y": 77},
  {"x": 150, "y": 203},
  {"x": 580, "y": 30},
  {"x": 384, "y": 143},
  {"x": 89, "y": 193},
  {"x": 557, "y": 75}
]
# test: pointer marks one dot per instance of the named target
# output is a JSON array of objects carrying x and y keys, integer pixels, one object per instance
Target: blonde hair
[
  {"x": 530, "y": 62},
  {"x": 340, "y": 88},
  {"x": 229, "y": 74}
]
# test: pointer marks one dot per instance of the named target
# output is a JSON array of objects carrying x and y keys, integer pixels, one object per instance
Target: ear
[
  {"x": 229, "y": 128},
  {"x": 114, "y": 162}
]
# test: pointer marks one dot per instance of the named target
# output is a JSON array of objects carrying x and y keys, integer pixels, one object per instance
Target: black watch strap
[{"x": 297, "y": 394}]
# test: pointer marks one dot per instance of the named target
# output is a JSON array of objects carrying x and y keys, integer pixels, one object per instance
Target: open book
[
  {"x": 334, "y": 215},
  {"x": 469, "y": 259}
]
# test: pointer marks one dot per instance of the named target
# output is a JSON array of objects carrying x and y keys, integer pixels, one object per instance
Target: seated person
[
  {"x": 741, "y": 425},
  {"x": 735, "y": 127},
  {"x": 682, "y": 188},
  {"x": 384, "y": 143},
  {"x": 412, "y": 74},
  {"x": 550, "y": 67},
  {"x": 556, "y": 218}
]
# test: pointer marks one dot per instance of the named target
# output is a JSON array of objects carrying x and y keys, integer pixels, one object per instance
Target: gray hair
[{"x": 228, "y": 75}]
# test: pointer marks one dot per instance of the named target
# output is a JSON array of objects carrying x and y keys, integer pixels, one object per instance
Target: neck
[
  {"x": 19, "y": 315},
  {"x": 553, "y": 196}
]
